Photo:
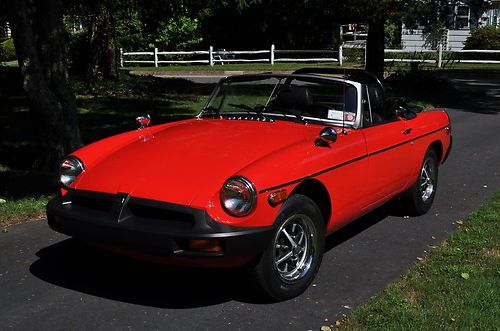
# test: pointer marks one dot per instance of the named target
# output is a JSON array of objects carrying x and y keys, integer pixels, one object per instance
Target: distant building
[
  {"x": 354, "y": 35},
  {"x": 460, "y": 23},
  {"x": 492, "y": 15}
]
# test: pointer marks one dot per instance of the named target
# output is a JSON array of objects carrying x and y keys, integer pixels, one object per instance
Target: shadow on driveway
[{"x": 73, "y": 265}]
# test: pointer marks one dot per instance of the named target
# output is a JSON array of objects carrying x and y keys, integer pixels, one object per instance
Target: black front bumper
[{"x": 148, "y": 226}]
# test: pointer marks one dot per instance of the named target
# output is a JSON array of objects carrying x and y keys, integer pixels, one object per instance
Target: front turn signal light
[{"x": 277, "y": 197}]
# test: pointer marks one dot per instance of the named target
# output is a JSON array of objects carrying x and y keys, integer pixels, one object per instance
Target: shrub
[
  {"x": 355, "y": 55},
  {"x": 178, "y": 33},
  {"x": 487, "y": 37},
  {"x": 7, "y": 50}
]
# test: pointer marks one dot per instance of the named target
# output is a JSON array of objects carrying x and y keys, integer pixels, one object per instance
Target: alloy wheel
[
  {"x": 427, "y": 179},
  {"x": 294, "y": 248}
]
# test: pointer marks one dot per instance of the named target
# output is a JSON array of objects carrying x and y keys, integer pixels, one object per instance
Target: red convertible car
[{"x": 271, "y": 165}]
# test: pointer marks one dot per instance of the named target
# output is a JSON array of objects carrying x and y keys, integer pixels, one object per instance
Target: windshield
[{"x": 286, "y": 97}]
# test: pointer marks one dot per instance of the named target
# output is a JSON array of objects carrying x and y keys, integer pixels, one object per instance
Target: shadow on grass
[
  {"x": 442, "y": 89},
  {"x": 74, "y": 265},
  {"x": 105, "y": 109}
]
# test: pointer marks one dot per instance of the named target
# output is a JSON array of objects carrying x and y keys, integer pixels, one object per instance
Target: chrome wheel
[
  {"x": 427, "y": 179},
  {"x": 294, "y": 248}
]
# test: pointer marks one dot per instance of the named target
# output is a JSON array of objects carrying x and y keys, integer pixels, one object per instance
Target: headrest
[{"x": 294, "y": 97}]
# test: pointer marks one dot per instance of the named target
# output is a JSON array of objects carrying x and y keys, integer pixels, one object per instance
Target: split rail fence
[{"x": 211, "y": 57}]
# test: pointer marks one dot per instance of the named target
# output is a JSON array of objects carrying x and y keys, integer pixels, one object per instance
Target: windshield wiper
[{"x": 247, "y": 108}]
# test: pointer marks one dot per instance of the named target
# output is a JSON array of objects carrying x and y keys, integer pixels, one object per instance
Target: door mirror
[{"x": 328, "y": 135}]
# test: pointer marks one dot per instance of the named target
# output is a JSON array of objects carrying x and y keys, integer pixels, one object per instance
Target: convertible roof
[{"x": 357, "y": 75}]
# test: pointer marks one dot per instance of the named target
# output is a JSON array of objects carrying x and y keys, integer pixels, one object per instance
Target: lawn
[
  {"x": 390, "y": 67},
  {"x": 455, "y": 287},
  {"x": 16, "y": 211},
  {"x": 235, "y": 67}
]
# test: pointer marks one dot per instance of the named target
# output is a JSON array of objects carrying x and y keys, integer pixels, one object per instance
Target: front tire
[
  {"x": 419, "y": 198},
  {"x": 291, "y": 261}
]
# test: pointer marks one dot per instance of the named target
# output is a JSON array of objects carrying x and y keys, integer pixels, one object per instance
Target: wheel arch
[
  {"x": 438, "y": 148},
  {"x": 317, "y": 192}
]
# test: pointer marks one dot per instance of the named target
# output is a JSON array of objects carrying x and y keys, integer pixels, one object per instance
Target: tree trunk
[
  {"x": 375, "y": 47},
  {"x": 38, "y": 34},
  {"x": 102, "y": 41}
]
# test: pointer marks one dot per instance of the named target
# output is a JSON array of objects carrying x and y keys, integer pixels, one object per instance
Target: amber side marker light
[
  {"x": 277, "y": 197},
  {"x": 204, "y": 245}
]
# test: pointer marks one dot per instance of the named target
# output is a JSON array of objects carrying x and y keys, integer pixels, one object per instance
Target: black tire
[
  {"x": 418, "y": 199},
  {"x": 278, "y": 281}
]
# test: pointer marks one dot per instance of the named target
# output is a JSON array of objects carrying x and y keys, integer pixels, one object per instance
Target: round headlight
[
  {"x": 71, "y": 167},
  {"x": 238, "y": 196}
]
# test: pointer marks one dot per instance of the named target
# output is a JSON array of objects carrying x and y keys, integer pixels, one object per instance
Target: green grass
[
  {"x": 397, "y": 66},
  {"x": 10, "y": 63},
  {"x": 235, "y": 67},
  {"x": 15, "y": 211},
  {"x": 294, "y": 66},
  {"x": 456, "y": 287}
]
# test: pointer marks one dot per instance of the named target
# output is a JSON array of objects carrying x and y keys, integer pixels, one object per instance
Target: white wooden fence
[
  {"x": 213, "y": 57},
  {"x": 272, "y": 55},
  {"x": 441, "y": 54}
]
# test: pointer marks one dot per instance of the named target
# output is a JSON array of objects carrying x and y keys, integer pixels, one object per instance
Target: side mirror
[
  {"x": 143, "y": 121},
  {"x": 326, "y": 136}
]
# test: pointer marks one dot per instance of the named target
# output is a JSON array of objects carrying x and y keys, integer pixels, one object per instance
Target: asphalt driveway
[{"x": 48, "y": 281}]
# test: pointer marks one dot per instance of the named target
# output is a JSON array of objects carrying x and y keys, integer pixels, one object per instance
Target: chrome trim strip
[{"x": 347, "y": 162}]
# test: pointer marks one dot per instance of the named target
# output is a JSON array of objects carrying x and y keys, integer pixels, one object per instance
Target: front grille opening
[
  {"x": 160, "y": 213},
  {"x": 103, "y": 205}
]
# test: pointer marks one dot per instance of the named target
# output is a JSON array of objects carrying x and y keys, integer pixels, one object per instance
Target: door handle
[{"x": 407, "y": 131}]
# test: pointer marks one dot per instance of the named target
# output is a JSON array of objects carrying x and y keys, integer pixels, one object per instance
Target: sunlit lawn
[
  {"x": 456, "y": 287},
  {"x": 390, "y": 67}
]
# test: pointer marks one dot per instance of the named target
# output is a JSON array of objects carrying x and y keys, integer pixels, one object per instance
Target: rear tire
[
  {"x": 418, "y": 199},
  {"x": 291, "y": 261}
]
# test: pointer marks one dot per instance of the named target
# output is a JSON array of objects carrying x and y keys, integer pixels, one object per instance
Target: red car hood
[{"x": 187, "y": 158}]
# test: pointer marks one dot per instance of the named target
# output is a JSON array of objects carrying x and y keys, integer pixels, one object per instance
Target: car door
[{"x": 388, "y": 148}]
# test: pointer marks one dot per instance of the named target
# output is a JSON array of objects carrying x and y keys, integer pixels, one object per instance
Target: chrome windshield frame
[{"x": 358, "y": 86}]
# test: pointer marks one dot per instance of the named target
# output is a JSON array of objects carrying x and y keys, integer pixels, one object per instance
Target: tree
[
  {"x": 303, "y": 24},
  {"x": 102, "y": 41},
  {"x": 376, "y": 14},
  {"x": 38, "y": 34},
  {"x": 99, "y": 18}
]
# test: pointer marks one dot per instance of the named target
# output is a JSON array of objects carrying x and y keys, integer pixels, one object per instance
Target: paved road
[{"x": 48, "y": 281}]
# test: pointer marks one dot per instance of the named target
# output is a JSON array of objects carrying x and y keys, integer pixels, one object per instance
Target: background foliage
[
  {"x": 7, "y": 50},
  {"x": 487, "y": 37}
]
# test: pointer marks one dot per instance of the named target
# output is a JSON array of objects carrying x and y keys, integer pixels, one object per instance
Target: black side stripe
[
  {"x": 347, "y": 162},
  {"x": 313, "y": 175},
  {"x": 406, "y": 142}
]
